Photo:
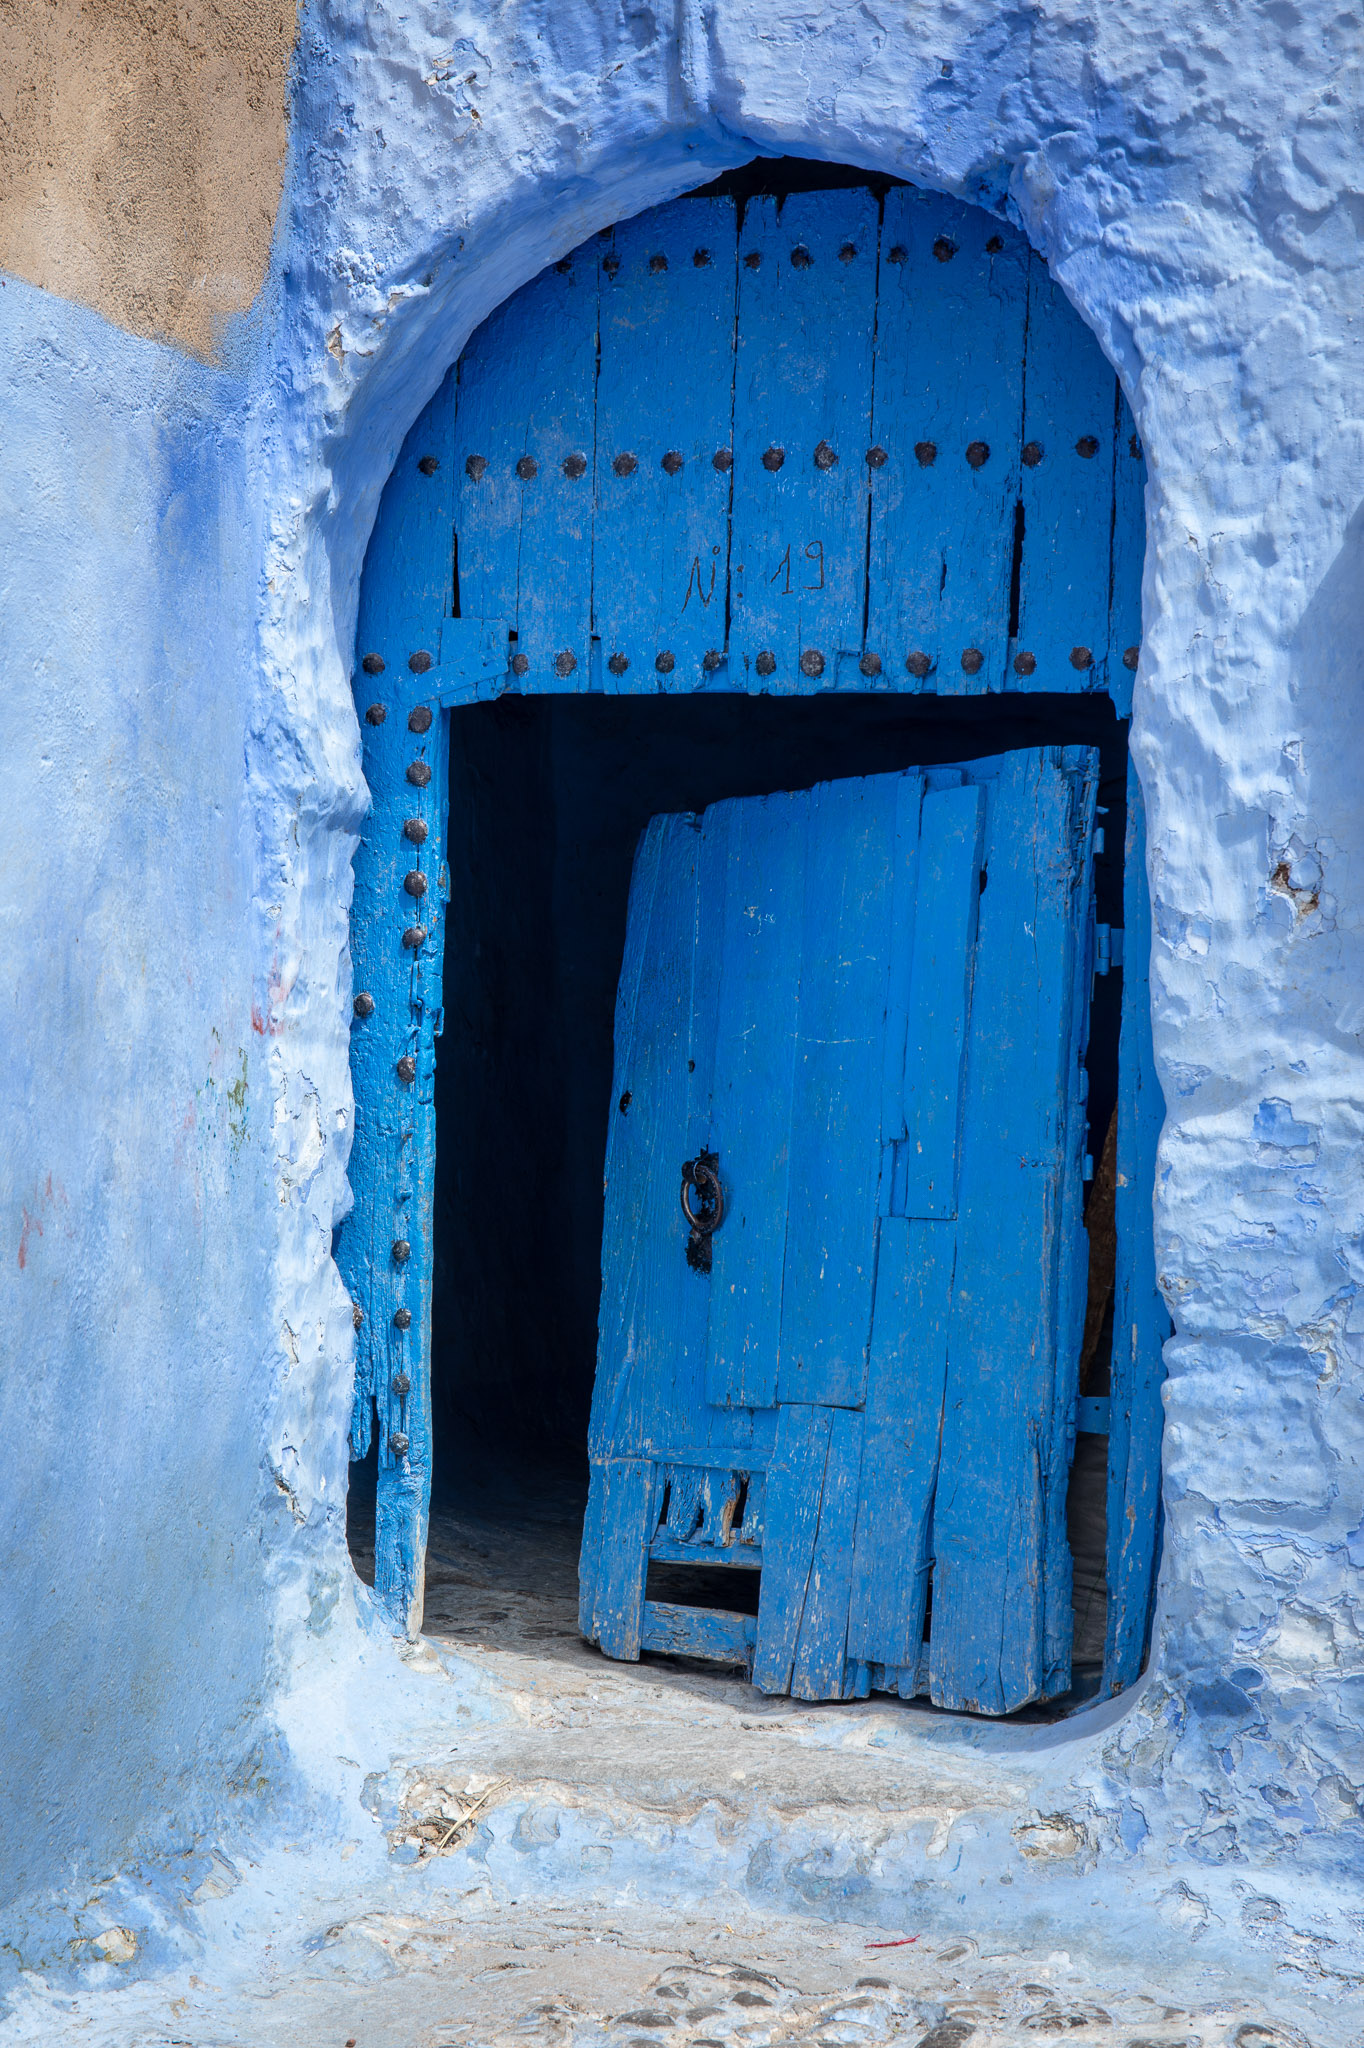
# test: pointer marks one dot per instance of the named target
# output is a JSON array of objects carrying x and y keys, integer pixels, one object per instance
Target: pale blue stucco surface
[{"x": 184, "y": 1648}]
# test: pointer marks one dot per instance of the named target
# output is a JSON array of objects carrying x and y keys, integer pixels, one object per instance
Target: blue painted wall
[{"x": 181, "y": 554}]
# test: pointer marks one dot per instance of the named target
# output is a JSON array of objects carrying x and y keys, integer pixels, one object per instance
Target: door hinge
[{"x": 1107, "y": 947}]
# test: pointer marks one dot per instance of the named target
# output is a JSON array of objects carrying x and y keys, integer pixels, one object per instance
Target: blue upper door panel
[{"x": 861, "y": 1009}]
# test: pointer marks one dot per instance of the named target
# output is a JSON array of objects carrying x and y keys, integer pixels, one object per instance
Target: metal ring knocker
[{"x": 703, "y": 1175}]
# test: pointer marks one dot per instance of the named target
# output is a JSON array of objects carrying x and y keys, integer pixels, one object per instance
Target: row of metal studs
[
  {"x": 801, "y": 259},
  {"x": 812, "y": 662},
  {"x": 825, "y": 458},
  {"x": 415, "y": 831}
]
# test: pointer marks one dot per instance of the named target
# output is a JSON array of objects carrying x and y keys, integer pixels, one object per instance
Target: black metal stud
[
  {"x": 870, "y": 665},
  {"x": 918, "y": 664},
  {"x": 563, "y": 267},
  {"x": 397, "y": 1443},
  {"x": 373, "y": 664},
  {"x": 618, "y": 664},
  {"x": 657, "y": 263},
  {"x": 414, "y": 937},
  {"x": 978, "y": 454},
  {"x": 402, "y": 1251},
  {"x": 994, "y": 245},
  {"x": 1087, "y": 446},
  {"x": 363, "y": 1005},
  {"x": 575, "y": 466},
  {"x": 825, "y": 456},
  {"x": 419, "y": 718},
  {"x": 415, "y": 882},
  {"x": 722, "y": 460},
  {"x": 1081, "y": 658},
  {"x": 899, "y": 254},
  {"x": 419, "y": 662},
  {"x": 711, "y": 660},
  {"x": 407, "y": 1070},
  {"x": 1032, "y": 454},
  {"x": 847, "y": 252},
  {"x": 1131, "y": 656},
  {"x": 527, "y": 467},
  {"x": 766, "y": 664},
  {"x": 877, "y": 457},
  {"x": 972, "y": 661},
  {"x": 428, "y": 465},
  {"x": 418, "y": 774},
  {"x": 664, "y": 663},
  {"x": 944, "y": 249},
  {"x": 773, "y": 458},
  {"x": 565, "y": 663},
  {"x": 376, "y": 714},
  {"x": 401, "y": 1384},
  {"x": 753, "y": 259},
  {"x": 611, "y": 265},
  {"x": 701, "y": 258},
  {"x": 801, "y": 259},
  {"x": 812, "y": 662},
  {"x": 925, "y": 453},
  {"x": 672, "y": 461},
  {"x": 415, "y": 829},
  {"x": 475, "y": 466},
  {"x": 625, "y": 465},
  {"x": 519, "y": 664},
  {"x": 402, "y": 1318},
  {"x": 1025, "y": 664}
]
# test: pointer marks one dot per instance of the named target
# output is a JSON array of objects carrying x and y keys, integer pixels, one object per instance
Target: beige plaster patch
[{"x": 142, "y": 155}]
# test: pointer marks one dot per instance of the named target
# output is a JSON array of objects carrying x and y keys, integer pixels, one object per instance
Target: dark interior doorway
[{"x": 548, "y": 797}]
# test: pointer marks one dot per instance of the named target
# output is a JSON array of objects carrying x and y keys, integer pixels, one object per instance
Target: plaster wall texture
[{"x": 188, "y": 1651}]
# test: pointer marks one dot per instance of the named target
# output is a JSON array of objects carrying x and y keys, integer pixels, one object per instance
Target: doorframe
[{"x": 434, "y": 663}]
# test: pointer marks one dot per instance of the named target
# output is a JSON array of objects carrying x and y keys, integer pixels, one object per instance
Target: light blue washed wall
[{"x": 182, "y": 552}]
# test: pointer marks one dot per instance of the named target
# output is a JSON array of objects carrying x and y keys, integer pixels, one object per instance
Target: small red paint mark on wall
[{"x": 30, "y": 1223}]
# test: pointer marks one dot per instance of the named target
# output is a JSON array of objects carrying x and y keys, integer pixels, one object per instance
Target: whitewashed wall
[{"x": 181, "y": 554}]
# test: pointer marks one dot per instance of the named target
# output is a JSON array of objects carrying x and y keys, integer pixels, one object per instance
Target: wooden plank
[
  {"x": 404, "y": 593},
  {"x": 903, "y": 912},
  {"x": 664, "y": 410},
  {"x": 709, "y": 1632},
  {"x": 524, "y": 421},
  {"x": 1067, "y": 496},
  {"x": 1141, "y": 1321},
  {"x": 795, "y": 1488},
  {"x": 948, "y": 408},
  {"x": 802, "y": 418},
  {"x": 745, "y": 1557},
  {"x": 1129, "y": 557},
  {"x": 819, "y": 1669},
  {"x": 627, "y": 1496},
  {"x": 755, "y": 1049},
  {"x": 836, "y": 1099},
  {"x": 943, "y": 961},
  {"x": 1000, "y": 1490},
  {"x": 893, "y": 1558}
]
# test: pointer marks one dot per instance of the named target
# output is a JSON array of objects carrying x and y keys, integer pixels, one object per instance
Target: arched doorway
[{"x": 846, "y": 443}]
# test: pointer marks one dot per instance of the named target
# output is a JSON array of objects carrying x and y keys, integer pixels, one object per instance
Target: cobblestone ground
[{"x": 415, "y": 1935}]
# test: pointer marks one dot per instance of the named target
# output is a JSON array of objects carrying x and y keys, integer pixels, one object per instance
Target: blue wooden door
[{"x": 863, "y": 1007}]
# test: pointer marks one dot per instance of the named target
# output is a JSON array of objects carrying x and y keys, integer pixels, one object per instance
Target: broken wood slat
[
  {"x": 949, "y": 376},
  {"x": 802, "y": 415},
  {"x": 1001, "y": 1489},
  {"x": 712, "y": 1633},
  {"x": 1067, "y": 496},
  {"x": 620, "y": 1520},
  {"x": 664, "y": 410},
  {"x": 756, "y": 1032},
  {"x": 812, "y": 1489},
  {"x": 836, "y": 1098},
  {"x": 744, "y": 1556},
  {"x": 1141, "y": 1321}
]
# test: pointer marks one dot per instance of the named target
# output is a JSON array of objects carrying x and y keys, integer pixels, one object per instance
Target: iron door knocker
[{"x": 703, "y": 1175}]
